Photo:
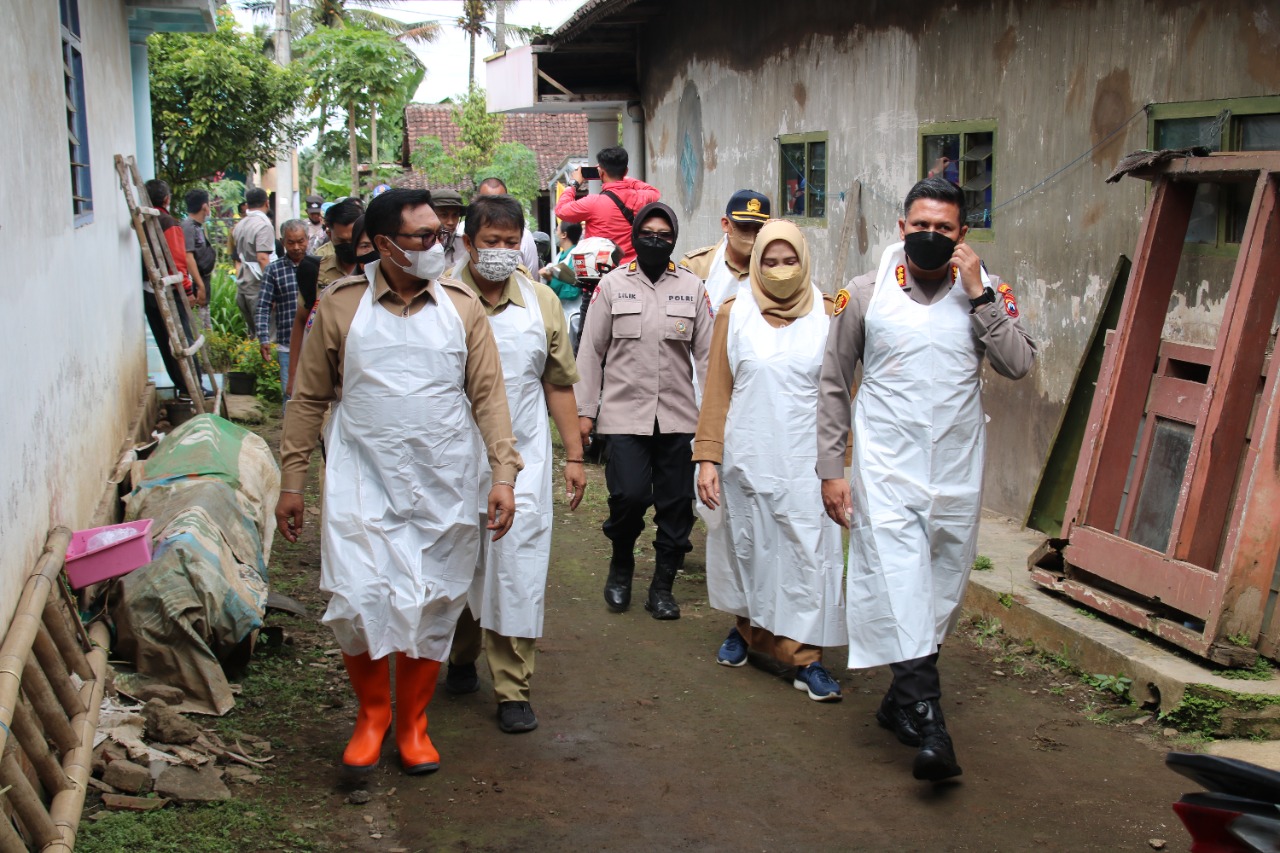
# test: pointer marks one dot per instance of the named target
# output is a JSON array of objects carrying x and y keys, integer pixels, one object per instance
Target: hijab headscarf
[
  {"x": 785, "y": 298},
  {"x": 653, "y": 260}
]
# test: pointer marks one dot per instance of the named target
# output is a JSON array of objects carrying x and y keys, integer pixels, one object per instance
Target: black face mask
[
  {"x": 345, "y": 253},
  {"x": 368, "y": 257},
  {"x": 928, "y": 250},
  {"x": 653, "y": 254}
]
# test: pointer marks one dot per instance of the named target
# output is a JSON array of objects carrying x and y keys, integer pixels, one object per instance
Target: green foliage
[
  {"x": 224, "y": 314},
  {"x": 1260, "y": 671},
  {"x": 1005, "y": 599},
  {"x": 215, "y": 828},
  {"x": 246, "y": 357},
  {"x": 983, "y": 564},
  {"x": 1194, "y": 713},
  {"x": 217, "y": 102},
  {"x": 517, "y": 165},
  {"x": 1242, "y": 640},
  {"x": 1116, "y": 684},
  {"x": 331, "y": 189}
]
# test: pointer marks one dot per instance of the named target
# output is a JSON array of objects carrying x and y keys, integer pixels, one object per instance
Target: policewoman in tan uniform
[{"x": 645, "y": 322}]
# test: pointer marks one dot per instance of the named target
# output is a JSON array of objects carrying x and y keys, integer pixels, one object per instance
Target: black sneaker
[
  {"x": 516, "y": 717},
  {"x": 462, "y": 679}
]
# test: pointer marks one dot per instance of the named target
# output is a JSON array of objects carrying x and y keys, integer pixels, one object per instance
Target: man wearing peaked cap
[
  {"x": 723, "y": 266},
  {"x": 448, "y": 207},
  {"x": 316, "y": 235}
]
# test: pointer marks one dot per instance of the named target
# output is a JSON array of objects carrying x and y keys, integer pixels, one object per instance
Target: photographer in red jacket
[{"x": 611, "y": 213}]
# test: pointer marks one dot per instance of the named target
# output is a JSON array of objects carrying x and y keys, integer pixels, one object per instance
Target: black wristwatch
[{"x": 988, "y": 296}]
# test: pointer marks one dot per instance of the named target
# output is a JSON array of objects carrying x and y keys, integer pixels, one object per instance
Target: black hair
[
  {"x": 308, "y": 273},
  {"x": 357, "y": 230},
  {"x": 385, "y": 212},
  {"x": 157, "y": 192},
  {"x": 492, "y": 210},
  {"x": 255, "y": 197},
  {"x": 572, "y": 230},
  {"x": 939, "y": 189},
  {"x": 344, "y": 212},
  {"x": 195, "y": 200},
  {"x": 493, "y": 183},
  {"x": 613, "y": 161}
]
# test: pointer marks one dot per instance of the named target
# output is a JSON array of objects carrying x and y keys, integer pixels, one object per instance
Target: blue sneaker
[
  {"x": 817, "y": 682},
  {"x": 733, "y": 651}
]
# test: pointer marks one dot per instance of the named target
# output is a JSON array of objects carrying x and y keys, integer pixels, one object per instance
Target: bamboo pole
[
  {"x": 56, "y": 669},
  {"x": 56, "y": 724},
  {"x": 68, "y": 804},
  {"x": 36, "y": 749},
  {"x": 10, "y": 840},
  {"x": 66, "y": 638},
  {"x": 26, "y": 802},
  {"x": 26, "y": 624}
]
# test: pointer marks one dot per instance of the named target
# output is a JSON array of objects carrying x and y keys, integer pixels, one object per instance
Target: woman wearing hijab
[{"x": 759, "y": 425}]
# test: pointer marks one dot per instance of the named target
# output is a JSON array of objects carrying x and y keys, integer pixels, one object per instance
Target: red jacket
[
  {"x": 600, "y": 217},
  {"x": 177, "y": 245}
]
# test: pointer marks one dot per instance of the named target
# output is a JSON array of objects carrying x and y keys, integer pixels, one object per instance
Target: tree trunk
[
  {"x": 499, "y": 27},
  {"x": 315, "y": 164},
  {"x": 471, "y": 65},
  {"x": 374, "y": 160},
  {"x": 351, "y": 149}
]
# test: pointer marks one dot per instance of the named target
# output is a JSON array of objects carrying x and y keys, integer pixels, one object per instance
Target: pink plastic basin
[{"x": 87, "y": 566}]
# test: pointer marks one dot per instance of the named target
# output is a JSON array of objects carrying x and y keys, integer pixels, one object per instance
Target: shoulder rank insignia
[
  {"x": 842, "y": 300},
  {"x": 671, "y": 266},
  {"x": 901, "y": 275},
  {"x": 631, "y": 267},
  {"x": 1006, "y": 297}
]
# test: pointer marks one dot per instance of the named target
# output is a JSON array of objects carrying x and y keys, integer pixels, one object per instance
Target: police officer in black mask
[{"x": 648, "y": 327}]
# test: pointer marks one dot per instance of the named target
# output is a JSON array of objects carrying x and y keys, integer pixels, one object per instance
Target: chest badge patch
[
  {"x": 842, "y": 300},
  {"x": 1006, "y": 298},
  {"x": 680, "y": 326}
]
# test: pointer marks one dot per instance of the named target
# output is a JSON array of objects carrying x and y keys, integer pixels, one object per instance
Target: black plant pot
[{"x": 239, "y": 382}]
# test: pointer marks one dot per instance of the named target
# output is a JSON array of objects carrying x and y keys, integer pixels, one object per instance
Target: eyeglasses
[
  {"x": 669, "y": 236},
  {"x": 426, "y": 239}
]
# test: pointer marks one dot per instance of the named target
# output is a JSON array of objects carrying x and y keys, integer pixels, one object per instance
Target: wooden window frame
[
  {"x": 72, "y": 55},
  {"x": 807, "y": 139},
  {"x": 962, "y": 129}
]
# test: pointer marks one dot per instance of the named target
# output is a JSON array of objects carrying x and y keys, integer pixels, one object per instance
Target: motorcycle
[{"x": 1239, "y": 811}]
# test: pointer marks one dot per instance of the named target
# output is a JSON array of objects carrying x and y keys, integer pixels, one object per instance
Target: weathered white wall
[
  {"x": 1057, "y": 76},
  {"x": 71, "y": 357}
]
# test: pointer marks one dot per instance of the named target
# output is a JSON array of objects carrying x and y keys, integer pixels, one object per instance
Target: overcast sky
[{"x": 446, "y": 57}]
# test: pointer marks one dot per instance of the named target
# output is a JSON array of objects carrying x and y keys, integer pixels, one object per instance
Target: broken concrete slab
[
  {"x": 165, "y": 693},
  {"x": 193, "y": 785},
  {"x": 128, "y": 777},
  {"x": 168, "y": 726},
  {"x": 244, "y": 408},
  {"x": 121, "y": 802}
]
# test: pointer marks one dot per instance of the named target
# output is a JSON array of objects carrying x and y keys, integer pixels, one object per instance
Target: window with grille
[
  {"x": 77, "y": 121},
  {"x": 963, "y": 152},
  {"x": 802, "y": 194},
  {"x": 1240, "y": 124}
]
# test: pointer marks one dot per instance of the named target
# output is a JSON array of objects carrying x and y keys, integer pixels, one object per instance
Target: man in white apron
[
  {"x": 507, "y": 596},
  {"x": 413, "y": 366},
  {"x": 920, "y": 325}
]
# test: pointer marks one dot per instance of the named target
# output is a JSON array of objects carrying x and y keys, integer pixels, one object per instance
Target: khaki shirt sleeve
[
  {"x": 1008, "y": 347},
  {"x": 591, "y": 349},
  {"x": 484, "y": 384},
  {"x": 708, "y": 442},
  {"x": 845, "y": 342},
  {"x": 702, "y": 327},
  {"x": 316, "y": 384},
  {"x": 561, "y": 367}
]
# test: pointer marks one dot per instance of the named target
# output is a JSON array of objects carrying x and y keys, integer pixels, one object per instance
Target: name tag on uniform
[
  {"x": 681, "y": 297},
  {"x": 626, "y": 296}
]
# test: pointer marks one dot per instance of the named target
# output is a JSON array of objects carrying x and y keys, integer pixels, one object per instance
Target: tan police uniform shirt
[
  {"x": 560, "y": 369},
  {"x": 636, "y": 346},
  {"x": 699, "y": 261},
  {"x": 997, "y": 334},
  {"x": 319, "y": 379}
]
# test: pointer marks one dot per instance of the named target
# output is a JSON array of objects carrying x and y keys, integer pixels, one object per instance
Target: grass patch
[
  {"x": 983, "y": 564},
  {"x": 215, "y": 828},
  {"x": 1260, "y": 671},
  {"x": 280, "y": 689}
]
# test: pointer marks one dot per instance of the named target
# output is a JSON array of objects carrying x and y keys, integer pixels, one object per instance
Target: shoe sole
[
  {"x": 724, "y": 662},
  {"x": 902, "y": 736},
  {"x": 420, "y": 769},
  {"x": 661, "y": 617},
  {"x": 518, "y": 729},
  {"x": 933, "y": 772},
  {"x": 463, "y": 690},
  {"x": 830, "y": 697}
]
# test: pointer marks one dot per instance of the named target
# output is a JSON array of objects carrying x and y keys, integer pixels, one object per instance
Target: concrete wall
[
  {"x": 1057, "y": 76},
  {"x": 71, "y": 357}
]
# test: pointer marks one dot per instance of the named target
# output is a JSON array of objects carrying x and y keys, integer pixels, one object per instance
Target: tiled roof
[{"x": 551, "y": 136}]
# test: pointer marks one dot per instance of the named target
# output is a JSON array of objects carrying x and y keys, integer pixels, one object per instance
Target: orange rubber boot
[
  {"x": 371, "y": 681},
  {"x": 415, "y": 684}
]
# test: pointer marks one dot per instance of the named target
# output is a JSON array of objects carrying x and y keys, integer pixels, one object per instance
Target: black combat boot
[
  {"x": 936, "y": 759},
  {"x": 896, "y": 719},
  {"x": 661, "y": 604},
  {"x": 617, "y": 588}
]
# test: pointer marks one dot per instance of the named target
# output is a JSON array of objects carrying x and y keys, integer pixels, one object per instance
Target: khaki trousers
[
  {"x": 511, "y": 659},
  {"x": 782, "y": 649}
]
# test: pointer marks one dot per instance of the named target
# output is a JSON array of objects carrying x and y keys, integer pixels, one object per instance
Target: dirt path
[{"x": 646, "y": 744}]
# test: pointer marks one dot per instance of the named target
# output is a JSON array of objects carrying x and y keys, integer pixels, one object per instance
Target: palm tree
[
  {"x": 474, "y": 22},
  {"x": 309, "y": 14}
]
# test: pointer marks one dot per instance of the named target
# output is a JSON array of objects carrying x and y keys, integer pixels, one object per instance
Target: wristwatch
[{"x": 988, "y": 296}]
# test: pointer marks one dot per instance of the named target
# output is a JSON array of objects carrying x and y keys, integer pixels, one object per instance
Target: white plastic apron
[
  {"x": 399, "y": 531},
  {"x": 507, "y": 595},
  {"x": 721, "y": 282},
  {"x": 918, "y": 444},
  {"x": 784, "y": 569}
]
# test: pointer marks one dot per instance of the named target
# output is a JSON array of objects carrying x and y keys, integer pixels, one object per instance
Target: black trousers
[
  {"x": 158, "y": 331},
  {"x": 915, "y": 680},
  {"x": 651, "y": 470}
]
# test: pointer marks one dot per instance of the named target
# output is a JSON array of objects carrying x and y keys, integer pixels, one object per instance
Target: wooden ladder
[
  {"x": 52, "y": 678},
  {"x": 167, "y": 282}
]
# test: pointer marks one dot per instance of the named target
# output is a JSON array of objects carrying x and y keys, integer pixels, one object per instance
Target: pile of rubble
[{"x": 147, "y": 755}]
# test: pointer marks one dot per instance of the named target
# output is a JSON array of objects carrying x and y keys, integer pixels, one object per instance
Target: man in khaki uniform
[
  {"x": 921, "y": 326},
  {"x": 645, "y": 322},
  {"x": 400, "y": 533},
  {"x": 538, "y": 363},
  {"x": 723, "y": 266}
]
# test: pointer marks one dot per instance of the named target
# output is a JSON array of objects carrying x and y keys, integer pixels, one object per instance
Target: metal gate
[{"x": 1173, "y": 523}]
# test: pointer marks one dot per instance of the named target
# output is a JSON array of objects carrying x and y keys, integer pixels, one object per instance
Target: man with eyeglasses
[
  {"x": 410, "y": 363},
  {"x": 646, "y": 321}
]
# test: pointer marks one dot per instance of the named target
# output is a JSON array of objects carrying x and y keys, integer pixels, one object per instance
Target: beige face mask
[{"x": 783, "y": 282}]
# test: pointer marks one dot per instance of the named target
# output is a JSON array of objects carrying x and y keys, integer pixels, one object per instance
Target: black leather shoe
[
  {"x": 516, "y": 717},
  {"x": 617, "y": 588},
  {"x": 662, "y": 604},
  {"x": 462, "y": 679},
  {"x": 936, "y": 759},
  {"x": 895, "y": 718}
]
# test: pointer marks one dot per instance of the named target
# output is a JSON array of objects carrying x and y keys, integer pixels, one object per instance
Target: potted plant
[{"x": 247, "y": 364}]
